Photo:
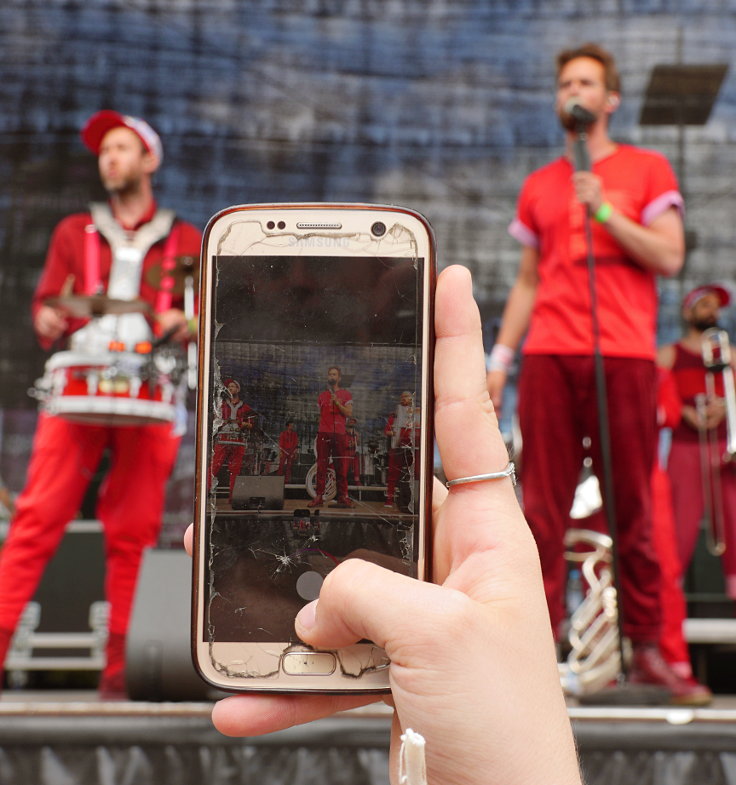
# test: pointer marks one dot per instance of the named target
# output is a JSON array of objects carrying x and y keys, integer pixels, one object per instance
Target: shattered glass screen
[{"x": 316, "y": 379}]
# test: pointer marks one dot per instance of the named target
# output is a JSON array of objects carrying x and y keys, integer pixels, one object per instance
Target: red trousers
[
  {"x": 685, "y": 474},
  {"x": 286, "y": 461},
  {"x": 335, "y": 445},
  {"x": 400, "y": 460},
  {"x": 233, "y": 455},
  {"x": 557, "y": 410},
  {"x": 131, "y": 501}
]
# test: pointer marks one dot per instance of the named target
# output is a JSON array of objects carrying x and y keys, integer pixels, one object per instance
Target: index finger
[{"x": 465, "y": 421}]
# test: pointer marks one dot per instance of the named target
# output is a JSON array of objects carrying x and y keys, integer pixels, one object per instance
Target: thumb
[{"x": 362, "y": 601}]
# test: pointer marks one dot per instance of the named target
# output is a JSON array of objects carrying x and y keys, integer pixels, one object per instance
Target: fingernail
[{"x": 307, "y": 616}]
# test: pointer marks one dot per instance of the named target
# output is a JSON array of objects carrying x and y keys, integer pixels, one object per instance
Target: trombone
[{"x": 716, "y": 353}]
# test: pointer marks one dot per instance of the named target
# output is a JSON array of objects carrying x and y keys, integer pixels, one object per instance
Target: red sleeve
[
  {"x": 523, "y": 228},
  {"x": 64, "y": 258},
  {"x": 662, "y": 189}
]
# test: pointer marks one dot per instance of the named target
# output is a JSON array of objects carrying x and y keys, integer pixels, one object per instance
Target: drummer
[{"x": 127, "y": 249}]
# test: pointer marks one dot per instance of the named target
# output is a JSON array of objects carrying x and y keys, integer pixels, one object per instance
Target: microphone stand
[{"x": 641, "y": 694}]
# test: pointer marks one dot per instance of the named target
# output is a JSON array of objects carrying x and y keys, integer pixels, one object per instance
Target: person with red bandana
[
  {"x": 237, "y": 421},
  {"x": 634, "y": 207},
  {"x": 110, "y": 249},
  {"x": 335, "y": 407},
  {"x": 700, "y": 310}
]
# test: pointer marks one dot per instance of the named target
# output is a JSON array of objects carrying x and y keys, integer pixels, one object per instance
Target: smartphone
[{"x": 314, "y": 430}]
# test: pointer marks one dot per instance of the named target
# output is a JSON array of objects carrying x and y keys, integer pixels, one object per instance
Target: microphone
[{"x": 582, "y": 116}]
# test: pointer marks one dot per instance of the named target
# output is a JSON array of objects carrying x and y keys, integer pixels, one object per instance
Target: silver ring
[{"x": 508, "y": 471}]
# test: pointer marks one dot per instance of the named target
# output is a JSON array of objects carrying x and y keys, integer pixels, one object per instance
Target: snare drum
[{"x": 108, "y": 388}]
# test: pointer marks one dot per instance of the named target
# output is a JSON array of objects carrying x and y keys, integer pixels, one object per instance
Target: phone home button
[{"x": 308, "y": 663}]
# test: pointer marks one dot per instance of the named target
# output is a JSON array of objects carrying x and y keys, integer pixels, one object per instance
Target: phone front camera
[
  {"x": 270, "y": 225},
  {"x": 378, "y": 229},
  {"x": 282, "y": 225}
]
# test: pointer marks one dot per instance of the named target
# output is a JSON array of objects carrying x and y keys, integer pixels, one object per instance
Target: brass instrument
[
  {"x": 716, "y": 353},
  {"x": 594, "y": 657}
]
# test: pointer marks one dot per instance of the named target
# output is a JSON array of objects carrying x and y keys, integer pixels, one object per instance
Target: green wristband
[{"x": 603, "y": 213}]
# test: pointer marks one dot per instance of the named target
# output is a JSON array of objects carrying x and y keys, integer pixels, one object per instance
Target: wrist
[
  {"x": 603, "y": 214},
  {"x": 501, "y": 358}
]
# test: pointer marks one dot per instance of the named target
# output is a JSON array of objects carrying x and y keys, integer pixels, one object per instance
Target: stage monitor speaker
[
  {"x": 158, "y": 653},
  {"x": 253, "y": 493}
]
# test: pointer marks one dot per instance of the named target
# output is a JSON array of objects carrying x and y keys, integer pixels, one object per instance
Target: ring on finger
[{"x": 508, "y": 471}]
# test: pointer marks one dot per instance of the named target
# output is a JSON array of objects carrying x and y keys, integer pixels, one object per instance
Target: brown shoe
[{"x": 649, "y": 667}]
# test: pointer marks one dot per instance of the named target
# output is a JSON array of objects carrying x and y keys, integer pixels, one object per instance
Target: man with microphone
[
  {"x": 624, "y": 204},
  {"x": 335, "y": 406}
]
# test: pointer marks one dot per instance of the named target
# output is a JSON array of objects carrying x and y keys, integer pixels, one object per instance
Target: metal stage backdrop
[{"x": 439, "y": 105}]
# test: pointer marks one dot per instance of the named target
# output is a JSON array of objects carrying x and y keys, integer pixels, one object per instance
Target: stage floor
[
  {"x": 14, "y": 701},
  {"x": 371, "y": 506},
  {"x": 60, "y": 737}
]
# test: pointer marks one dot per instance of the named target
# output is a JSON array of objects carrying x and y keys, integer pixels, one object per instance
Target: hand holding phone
[{"x": 473, "y": 667}]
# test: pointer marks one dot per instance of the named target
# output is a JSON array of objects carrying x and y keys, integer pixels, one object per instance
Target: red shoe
[
  {"x": 344, "y": 501},
  {"x": 318, "y": 501},
  {"x": 649, "y": 667}
]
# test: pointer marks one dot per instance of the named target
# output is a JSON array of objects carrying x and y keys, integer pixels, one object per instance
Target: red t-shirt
[
  {"x": 331, "y": 419},
  {"x": 641, "y": 185},
  {"x": 66, "y": 257}
]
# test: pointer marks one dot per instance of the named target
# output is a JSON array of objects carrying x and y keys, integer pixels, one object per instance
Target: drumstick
[{"x": 165, "y": 336}]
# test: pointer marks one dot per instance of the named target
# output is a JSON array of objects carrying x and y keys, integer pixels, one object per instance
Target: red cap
[
  {"x": 102, "y": 122},
  {"x": 721, "y": 292},
  {"x": 228, "y": 382}
]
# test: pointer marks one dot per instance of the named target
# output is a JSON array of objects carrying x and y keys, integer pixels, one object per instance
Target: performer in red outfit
[
  {"x": 398, "y": 430},
  {"x": 335, "y": 406},
  {"x": 700, "y": 310},
  {"x": 637, "y": 233},
  {"x": 288, "y": 443},
  {"x": 237, "y": 420},
  {"x": 110, "y": 249}
]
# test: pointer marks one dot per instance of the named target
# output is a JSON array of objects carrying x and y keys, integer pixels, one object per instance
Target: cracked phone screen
[{"x": 315, "y": 417}]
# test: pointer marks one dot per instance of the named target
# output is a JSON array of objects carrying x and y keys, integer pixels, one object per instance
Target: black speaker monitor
[{"x": 258, "y": 493}]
